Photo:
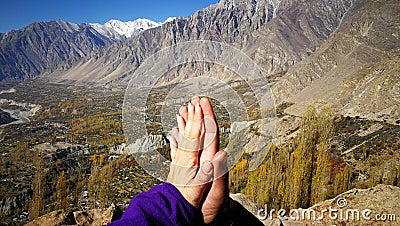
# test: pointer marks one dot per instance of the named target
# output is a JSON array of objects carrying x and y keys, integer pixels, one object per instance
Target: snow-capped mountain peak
[
  {"x": 169, "y": 19},
  {"x": 131, "y": 28},
  {"x": 108, "y": 32}
]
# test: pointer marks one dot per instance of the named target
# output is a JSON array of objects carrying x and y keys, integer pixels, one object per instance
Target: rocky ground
[
  {"x": 5, "y": 118},
  {"x": 94, "y": 217},
  {"x": 373, "y": 206}
]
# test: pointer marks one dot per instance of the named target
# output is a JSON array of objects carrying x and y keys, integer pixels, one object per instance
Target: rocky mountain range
[
  {"x": 307, "y": 50},
  {"x": 310, "y": 52},
  {"x": 128, "y": 29},
  {"x": 268, "y": 31},
  {"x": 27, "y": 52}
]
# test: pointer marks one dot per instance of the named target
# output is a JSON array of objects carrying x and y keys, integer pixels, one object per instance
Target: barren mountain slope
[
  {"x": 357, "y": 69},
  {"x": 28, "y": 52},
  {"x": 276, "y": 35}
]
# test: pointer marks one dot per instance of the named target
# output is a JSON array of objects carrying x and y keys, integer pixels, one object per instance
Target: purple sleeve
[{"x": 161, "y": 205}]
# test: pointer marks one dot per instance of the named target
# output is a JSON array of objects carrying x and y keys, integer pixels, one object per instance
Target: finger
[
  {"x": 189, "y": 122},
  {"x": 207, "y": 108},
  {"x": 219, "y": 188},
  {"x": 220, "y": 163},
  {"x": 200, "y": 183},
  {"x": 181, "y": 123},
  {"x": 184, "y": 113},
  {"x": 195, "y": 100},
  {"x": 205, "y": 174},
  {"x": 173, "y": 137},
  {"x": 197, "y": 122},
  {"x": 211, "y": 140},
  {"x": 202, "y": 135}
]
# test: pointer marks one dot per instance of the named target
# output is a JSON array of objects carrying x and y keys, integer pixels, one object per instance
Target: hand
[
  {"x": 218, "y": 194},
  {"x": 213, "y": 195},
  {"x": 190, "y": 174}
]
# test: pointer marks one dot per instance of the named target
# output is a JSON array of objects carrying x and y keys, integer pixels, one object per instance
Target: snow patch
[
  {"x": 169, "y": 19},
  {"x": 131, "y": 28},
  {"x": 106, "y": 31}
]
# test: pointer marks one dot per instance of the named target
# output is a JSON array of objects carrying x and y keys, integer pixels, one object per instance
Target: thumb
[
  {"x": 199, "y": 184},
  {"x": 204, "y": 174}
]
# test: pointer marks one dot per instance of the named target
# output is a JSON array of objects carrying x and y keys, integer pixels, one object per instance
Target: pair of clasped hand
[{"x": 198, "y": 170}]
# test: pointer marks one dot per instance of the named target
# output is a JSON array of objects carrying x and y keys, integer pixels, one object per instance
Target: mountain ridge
[
  {"x": 130, "y": 28},
  {"x": 28, "y": 52},
  {"x": 356, "y": 56},
  {"x": 245, "y": 26}
]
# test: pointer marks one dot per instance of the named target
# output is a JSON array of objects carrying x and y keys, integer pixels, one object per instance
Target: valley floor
[{"x": 71, "y": 145}]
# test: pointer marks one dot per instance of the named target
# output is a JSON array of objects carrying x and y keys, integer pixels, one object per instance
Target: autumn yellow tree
[
  {"x": 106, "y": 192},
  {"x": 94, "y": 183},
  {"x": 298, "y": 173},
  {"x": 62, "y": 201},
  {"x": 321, "y": 177},
  {"x": 342, "y": 181},
  {"x": 238, "y": 176},
  {"x": 37, "y": 204}
]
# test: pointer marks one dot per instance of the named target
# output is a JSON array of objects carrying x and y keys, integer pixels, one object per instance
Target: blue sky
[{"x": 15, "y": 14}]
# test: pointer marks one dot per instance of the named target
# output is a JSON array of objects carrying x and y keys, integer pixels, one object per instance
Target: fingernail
[
  {"x": 181, "y": 109},
  {"x": 197, "y": 107},
  {"x": 207, "y": 167}
]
